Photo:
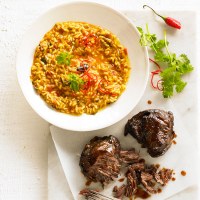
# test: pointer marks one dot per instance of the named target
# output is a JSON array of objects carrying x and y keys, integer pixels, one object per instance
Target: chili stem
[{"x": 154, "y": 11}]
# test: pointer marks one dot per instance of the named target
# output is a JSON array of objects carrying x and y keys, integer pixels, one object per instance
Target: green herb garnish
[
  {"x": 176, "y": 66},
  {"x": 75, "y": 82},
  {"x": 64, "y": 58}
]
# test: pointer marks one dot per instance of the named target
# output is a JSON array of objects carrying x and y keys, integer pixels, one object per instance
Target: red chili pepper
[{"x": 168, "y": 20}]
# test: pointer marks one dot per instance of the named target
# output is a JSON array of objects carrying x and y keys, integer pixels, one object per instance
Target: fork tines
[{"x": 94, "y": 195}]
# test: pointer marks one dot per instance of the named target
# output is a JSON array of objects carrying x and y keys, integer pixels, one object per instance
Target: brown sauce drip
[
  {"x": 174, "y": 142},
  {"x": 140, "y": 193},
  {"x": 173, "y": 179},
  {"x": 175, "y": 136},
  {"x": 142, "y": 160},
  {"x": 88, "y": 182},
  {"x": 183, "y": 173},
  {"x": 157, "y": 165},
  {"x": 159, "y": 190},
  {"x": 121, "y": 180},
  {"x": 149, "y": 102}
]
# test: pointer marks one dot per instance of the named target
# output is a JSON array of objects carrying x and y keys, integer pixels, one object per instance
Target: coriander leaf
[
  {"x": 167, "y": 91},
  {"x": 143, "y": 41},
  {"x": 171, "y": 79},
  {"x": 168, "y": 81},
  {"x": 160, "y": 44},
  {"x": 175, "y": 66},
  {"x": 180, "y": 85},
  {"x": 64, "y": 58},
  {"x": 184, "y": 65},
  {"x": 75, "y": 82},
  {"x": 140, "y": 29},
  {"x": 147, "y": 39},
  {"x": 161, "y": 57}
]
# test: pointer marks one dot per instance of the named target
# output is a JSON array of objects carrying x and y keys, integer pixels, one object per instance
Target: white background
[{"x": 23, "y": 134}]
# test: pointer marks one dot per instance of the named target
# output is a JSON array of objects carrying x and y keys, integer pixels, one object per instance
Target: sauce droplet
[
  {"x": 149, "y": 102},
  {"x": 174, "y": 142},
  {"x": 88, "y": 182},
  {"x": 140, "y": 193},
  {"x": 173, "y": 179},
  {"x": 157, "y": 166},
  {"x": 121, "y": 180},
  {"x": 159, "y": 190},
  {"x": 183, "y": 173}
]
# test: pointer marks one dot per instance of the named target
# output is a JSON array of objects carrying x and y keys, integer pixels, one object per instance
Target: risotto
[{"x": 79, "y": 68}]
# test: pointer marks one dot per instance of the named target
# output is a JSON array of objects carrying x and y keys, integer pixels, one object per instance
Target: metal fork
[{"x": 93, "y": 195}]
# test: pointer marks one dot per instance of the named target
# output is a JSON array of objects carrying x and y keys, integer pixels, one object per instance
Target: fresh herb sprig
[
  {"x": 75, "y": 82},
  {"x": 64, "y": 58},
  {"x": 176, "y": 66}
]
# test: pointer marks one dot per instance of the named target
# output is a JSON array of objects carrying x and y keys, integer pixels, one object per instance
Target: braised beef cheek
[
  {"x": 99, "y": 160},
  {"x": 153, "y": 129}
]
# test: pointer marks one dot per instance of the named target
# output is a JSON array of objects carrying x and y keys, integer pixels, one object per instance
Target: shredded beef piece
[
  {"x": 163, "y": 176},
  {"x": 131, "y": 186},
  {"x": 119, "y": 191},
  {"x": 147, "y": 181},
  {"x": 129, "y": 157},
  {"x": 136, "y": 166}
]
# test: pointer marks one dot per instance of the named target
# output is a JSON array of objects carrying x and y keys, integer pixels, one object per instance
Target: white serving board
[{"x": 70, "y": 144}]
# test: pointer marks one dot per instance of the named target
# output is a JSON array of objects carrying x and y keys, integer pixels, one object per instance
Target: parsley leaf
[
  {"x": 64, "y": 58},
  {"x": 176, "y": 66},
  {"x": 75, "y": 82}
]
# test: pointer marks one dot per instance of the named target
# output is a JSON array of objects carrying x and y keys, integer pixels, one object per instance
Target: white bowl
[{"x": 107, "y": 18}]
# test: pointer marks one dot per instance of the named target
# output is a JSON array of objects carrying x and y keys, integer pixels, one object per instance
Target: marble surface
[{"x": 24, "y": 135}]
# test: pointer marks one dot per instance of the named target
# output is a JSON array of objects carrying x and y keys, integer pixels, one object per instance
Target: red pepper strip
[
  {"x": 158, "y": 83},
  {"x": 168, "y": 20},
  {"x": 100, "y": 88},
  {"x": 125, "y": 51},
  {"x": 105, "y": 91},
  {"x": 91, "y": 79},
  {"x": 153, "y": 74},
  {"x": 155, "y": 63},
  {"x": 86, "y": 40},
  {"x": 87, "y": 85},
  {"x": 93, "y": 76}
]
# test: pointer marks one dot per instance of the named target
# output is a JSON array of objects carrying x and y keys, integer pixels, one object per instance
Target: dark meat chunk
[
  {"x": 129, "y": 156},
  {"x": 153, "y": 129},
  {"x": 100, "y": 159},
  {"x": 119, "y": 191}
]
